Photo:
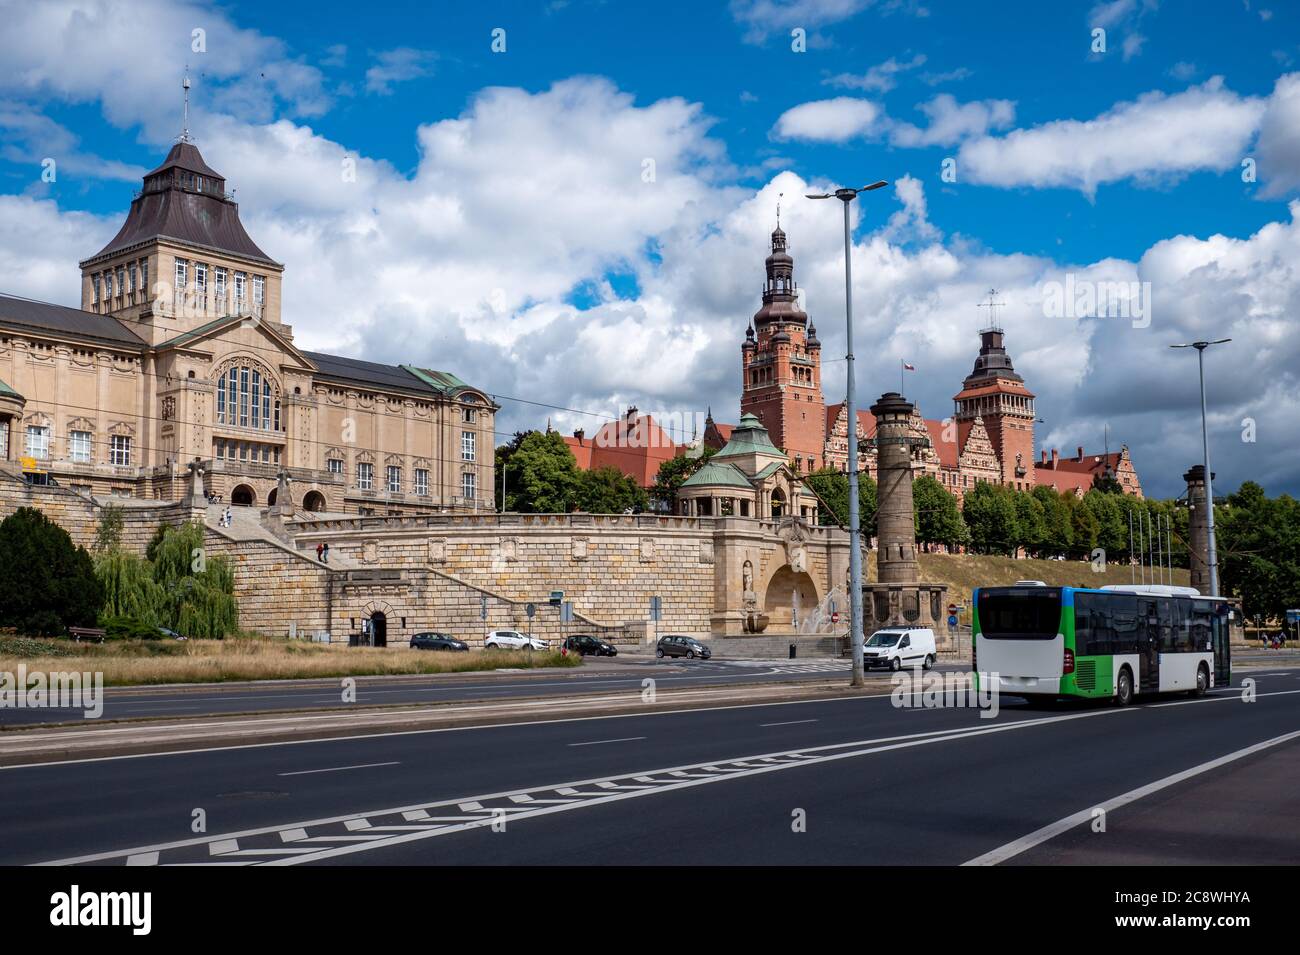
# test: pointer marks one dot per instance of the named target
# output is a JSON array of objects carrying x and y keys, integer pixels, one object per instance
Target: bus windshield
[{"x": 1020, "y": 614}]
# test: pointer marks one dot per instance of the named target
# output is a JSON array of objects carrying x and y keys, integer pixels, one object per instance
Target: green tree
[
  {"x": 990, "y": 513},
  {"x": 938, "y": 520},
  {"x": 544, "y": 475},
  {"x": 1058, "y": 534},
  {"x": 1083, "y": 527},
  {"x": 1031, "y": 522},
  {"x": 1107, "y": 483},
  {"x": 608, "y": 490},
  {"x": 47, "y": 584},
  {"x": 832, "y": 490},
  {"x": 1259, "y": 550},
  {"x": 109, "y": 533},
  {"x": 506, "y": 475},
  {"x": 672, "y": 474},
  {"x": 1111, "y": 516}
]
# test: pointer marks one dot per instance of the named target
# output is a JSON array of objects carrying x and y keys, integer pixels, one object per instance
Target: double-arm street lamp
[
  {"x": 1212, "y": 557},
  {"x": 846, "y": 196}
]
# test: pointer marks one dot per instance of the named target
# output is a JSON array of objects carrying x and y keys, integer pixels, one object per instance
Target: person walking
[
  {"x": 325, "y": 554},
  {"x": 319, "y": 548}
]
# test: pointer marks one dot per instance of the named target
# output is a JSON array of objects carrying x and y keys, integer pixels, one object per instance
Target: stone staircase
[
  {"x": 776, "y": 646},
  {"x": 246, "y": 524}
]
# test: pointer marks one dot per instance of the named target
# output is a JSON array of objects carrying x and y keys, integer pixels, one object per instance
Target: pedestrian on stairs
[
  {"x": 319, "y": 548},
  {"x": 325, "y": 554}
]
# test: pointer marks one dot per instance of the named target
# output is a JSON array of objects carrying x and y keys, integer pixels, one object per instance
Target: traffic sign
[
  {"x": 656, "y": 608},
  {"x": 566, "y": 612},
  {"x": 557, "y": 597},
  {"x": 482, "y": 607},
  {"x": 835, "y": 618},
  {"x": 952, "y": 621},
  {"x": 530, "y": 609},
  {"x": 952, "y": 608}
]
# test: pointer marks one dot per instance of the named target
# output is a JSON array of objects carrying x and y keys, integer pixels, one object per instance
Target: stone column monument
[
  {"x": 1198, "y": 526},
  {"x": 898, "y": 597}
]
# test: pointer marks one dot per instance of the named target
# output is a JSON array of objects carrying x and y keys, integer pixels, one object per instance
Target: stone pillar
[
  {"x": 895, "y": 520},
  {"x": 1198, "y": 523}
]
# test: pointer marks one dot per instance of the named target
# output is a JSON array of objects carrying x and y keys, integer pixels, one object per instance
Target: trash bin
[{"x": 794, "y": 651}]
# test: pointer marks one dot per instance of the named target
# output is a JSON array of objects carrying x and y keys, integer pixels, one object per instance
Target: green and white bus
[{"x": 1117, "y": 641}]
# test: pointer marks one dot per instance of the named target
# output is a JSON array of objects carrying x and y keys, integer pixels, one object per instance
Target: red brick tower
[
  {"x": 781, "y": 367},
  {"x": 993, "y": 391}
]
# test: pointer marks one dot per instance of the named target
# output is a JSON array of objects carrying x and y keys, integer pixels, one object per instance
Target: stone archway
[
  {"x": 791, "y": 596},
  {"x": 779, "y": 504},
  {"x": 314, "y": 501},
  {"x": 243, "y": 496}
]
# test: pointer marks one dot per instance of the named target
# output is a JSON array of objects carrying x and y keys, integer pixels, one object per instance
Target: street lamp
[
  {"x": 846, "y": 196},
  {"x": 1212, "y": 557}
]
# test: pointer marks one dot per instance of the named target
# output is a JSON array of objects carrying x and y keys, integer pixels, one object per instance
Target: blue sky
[{"x": 1067, "y": 162}]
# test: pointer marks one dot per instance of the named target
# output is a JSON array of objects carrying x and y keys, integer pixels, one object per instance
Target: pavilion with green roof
[{"x": 749, "y": 477}]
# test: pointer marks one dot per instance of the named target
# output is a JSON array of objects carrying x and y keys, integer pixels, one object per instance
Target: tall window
[
  {"x": 79, "y": 446},
  {"x": 365, "y": 475},
  {"x": 201, "y": 282},
  {"x": 241, "y": 289},
  {"x": 394, "y": 478},
  {"x": 467, "y": 445},
  {"x": 144, "y": 275},
  {"x": 421, "y": 481},
  {"x": 181, "y": 272},
  {"x": 219, "y": 280},
  {"x": 121, "y": 280},
  {"x": 94, "y": 289},
  {"x": 259, "y": 289},
  {"x": 246, "y": 397},
  {"x": 38, "y": 441},
  {"x": 4, "y": 443},
  {"x": 131, "y": 283},
  {"x": 467, "y": 415},
  {"x": 467, "y": 484},
  {"x": 119, "y": 450},
  {"x": 334, "y": 466},
  {"x": 108, "y": 284}
]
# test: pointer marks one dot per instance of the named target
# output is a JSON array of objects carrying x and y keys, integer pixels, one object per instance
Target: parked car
[
  {"x": 678, "y": 645},
  {"x": 585, "y": 643},
  {"x": 898, "y": 647},
  {"x": 169, "y": 634},
  {"x": 437, "y": 641},
  {"x": 513, "y": 640}
]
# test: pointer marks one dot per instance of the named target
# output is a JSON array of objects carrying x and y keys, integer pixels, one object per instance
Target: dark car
[
  {"x": 437, "y": 641},
  {"x": 676, "y": 645},
  {"x": 586, "y": 644}
]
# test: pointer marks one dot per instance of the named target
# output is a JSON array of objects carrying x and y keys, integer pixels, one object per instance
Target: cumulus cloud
[
  {"x": 1157, "y": 136},
  {"x": 951, "y": 121},
  {"x": 1279, "y": 138},
  {"x": 398, "y": 66},
  {"x": 829, "y": 120}
]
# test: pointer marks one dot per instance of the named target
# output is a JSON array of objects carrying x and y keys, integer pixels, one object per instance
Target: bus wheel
[
  {"x": 1202, "y": 681},
  {"x": 929, "y": 662},
  {"x": 1124, "y": 687}
]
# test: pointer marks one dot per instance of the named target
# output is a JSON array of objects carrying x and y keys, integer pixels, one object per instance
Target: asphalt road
[
  {"x": 868, "y": 783},
  {"x": 595, "y": 676}
]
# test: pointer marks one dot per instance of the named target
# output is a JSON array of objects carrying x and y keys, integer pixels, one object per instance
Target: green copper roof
[
  {"x": 443, "y": 381},
  {"x": 749, "y": 437},
  {"x": 7, "y": 392},
  {"x": 715, "y": 473}
]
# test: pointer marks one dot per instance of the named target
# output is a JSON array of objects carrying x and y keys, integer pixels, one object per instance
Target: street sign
[
  {"x": 566, "y": 612},
  {"x": 835, "y": 617},
  {"x": 482, "y": 607},
  {"x": 557, "y": 597},
  {"x": 952, "y": 608},
  {"x": 530, "y": 609},
  {"x": 952, "y": 621},
  {"x": 656, "y": 608}
]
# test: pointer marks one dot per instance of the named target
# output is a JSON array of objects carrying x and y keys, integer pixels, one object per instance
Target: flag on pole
[{"x": 906, "y": 367}]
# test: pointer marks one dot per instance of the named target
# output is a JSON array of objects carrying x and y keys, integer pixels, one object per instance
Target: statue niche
[{"x": 752, "y": 620}]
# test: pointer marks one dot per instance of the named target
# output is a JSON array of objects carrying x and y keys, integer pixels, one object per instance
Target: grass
[
  {"x": 145, "y": 662},
  {"x": 963, "y": 572}
]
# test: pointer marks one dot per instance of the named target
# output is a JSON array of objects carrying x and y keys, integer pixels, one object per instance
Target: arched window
[{"x": 247, "y": 396}]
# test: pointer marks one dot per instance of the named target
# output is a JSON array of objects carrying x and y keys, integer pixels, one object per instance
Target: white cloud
[
  {"x": 1206, "y": 127},
  {"x": 829, "y": 120},
  {"x": 1279, "y": 138},
  {"x": 399, "y": 66},
  {"x": 951, "y": 121},
  {"x": 877, "y": 79},
  {"x": 764, "y": 17}
]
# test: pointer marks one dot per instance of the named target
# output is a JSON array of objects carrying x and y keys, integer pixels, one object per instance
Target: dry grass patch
[{"x": 214, "y": 661}]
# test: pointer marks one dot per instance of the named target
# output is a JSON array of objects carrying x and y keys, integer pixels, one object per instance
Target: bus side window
[{"x": 1167, "y": 624}]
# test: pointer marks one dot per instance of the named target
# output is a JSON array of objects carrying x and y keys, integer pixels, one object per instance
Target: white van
[{"x": 898, "y": 647}]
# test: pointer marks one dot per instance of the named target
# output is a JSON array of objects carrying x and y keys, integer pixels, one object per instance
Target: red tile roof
[{"x": 636, "y": 448}]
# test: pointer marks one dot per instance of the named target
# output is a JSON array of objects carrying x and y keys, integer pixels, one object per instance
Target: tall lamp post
[
  {"x": 846, "y": 196},
  {"x": 1212, "y": 558}
]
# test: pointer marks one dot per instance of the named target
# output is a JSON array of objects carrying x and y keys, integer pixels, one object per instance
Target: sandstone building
[{"x": 179, "y": 352}]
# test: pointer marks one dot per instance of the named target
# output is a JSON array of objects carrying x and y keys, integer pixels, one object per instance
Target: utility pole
[
  {"x": 846, "y": 196},
  {"x": 1212, "y": 556}
]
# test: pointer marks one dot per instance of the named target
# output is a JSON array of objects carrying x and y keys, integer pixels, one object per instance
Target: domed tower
[
  {"x": 994, "y": 393},
  {"x": 781, "y": 366}
]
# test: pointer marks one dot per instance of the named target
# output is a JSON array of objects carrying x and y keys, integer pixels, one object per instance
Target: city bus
[{"x": 1115, "y": 642}]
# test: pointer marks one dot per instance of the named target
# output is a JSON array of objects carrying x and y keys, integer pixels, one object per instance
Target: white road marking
[
  {"x": 1039, "y": 836},
  {"x": 339, "y": 769},
  {"x": 811, "y": 755},
  {"x": 788, "y": 723},
  {"x": 599, "y": 742}
]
